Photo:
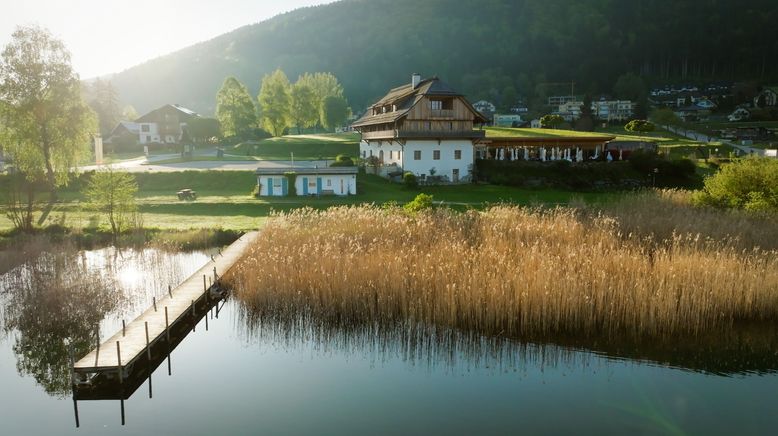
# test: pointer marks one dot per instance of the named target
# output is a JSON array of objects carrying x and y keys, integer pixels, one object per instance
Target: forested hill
[{"x": 485, "y": 48}]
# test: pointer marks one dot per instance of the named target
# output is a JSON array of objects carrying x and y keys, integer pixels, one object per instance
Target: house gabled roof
[
  {"x": 151, "y": 117},
  {"x": 130, "y": 126},
  {"x": 405, "y": 97}
]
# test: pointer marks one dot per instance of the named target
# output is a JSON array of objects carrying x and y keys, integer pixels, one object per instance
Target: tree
[
  {"x": 323, "y": 85},
  {"x": 639, "y": 126},
  {"x": 551, "y": 121},
  {"x": 629, "y": 87},
  {"x": 129, "y": 113},
  {"x": 586, "y": 121},
  {"x": 334, "y": 112},
  {"x": 47, "y": 125},
  {"x": 750, "y": 184},
  {"x": 112, "y": 193},
  {"x": 664, "y": 117},
  {"x": 303, "y": 110},
  {"x": 235, "y": 109},
  {"x": 104, "y": 100},
  {"x": 202, "y": 129},
  {"x": 274, "y": 102}
]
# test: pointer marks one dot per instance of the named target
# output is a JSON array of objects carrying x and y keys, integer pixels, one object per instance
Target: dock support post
[
  {"x": 154, "y": 302},
  {"x": 150, "y": 395},
  {"x": 148, "y": 349},
  {"x": 194, "y": 318},
  {"x": 170, "y": 291},
  {"x": 122, "y": 406},
  {"x": 97, "y": 349},
  {"x": 124, "y": 328},
  {"x": 167, "y": 326},
  {"x": 206, "y": 322},
  {"x": 119, "y": 369},
  {"x": 215, "y": 276},
  {"x": 75, "y": 410},
  {"x": 205, "y": 288}
]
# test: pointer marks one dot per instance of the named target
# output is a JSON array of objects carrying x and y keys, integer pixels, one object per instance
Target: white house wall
[
  {"x": 389, "y": 151},
  {"x": 444, "y": 166},
  {"x": 394, "y": 153},
  {"x": 339, "y": 184}
]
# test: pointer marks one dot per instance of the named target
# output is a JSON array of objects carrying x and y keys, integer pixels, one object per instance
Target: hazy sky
[{"x": 107, "y": 36}]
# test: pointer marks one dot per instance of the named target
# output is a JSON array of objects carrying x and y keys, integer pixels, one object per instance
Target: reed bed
[{"x": 506, "y": 271}]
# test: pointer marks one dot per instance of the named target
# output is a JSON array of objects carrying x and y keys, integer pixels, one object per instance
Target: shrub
[
  {"x": 420, "y": 203},
  {"x": 639, "y": 126},
  {"x": 750, "y": 184},
  {"x": 343, "y": 161},
  {"x": 409, "y": 180}
]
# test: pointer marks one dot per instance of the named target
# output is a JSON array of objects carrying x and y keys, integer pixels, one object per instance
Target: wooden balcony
[
  {"x": 441, "y": 113},
  {"x": 424, "y": 134}
]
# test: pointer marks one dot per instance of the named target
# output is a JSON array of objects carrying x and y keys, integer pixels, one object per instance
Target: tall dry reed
[{"x": 505, "y": 271}]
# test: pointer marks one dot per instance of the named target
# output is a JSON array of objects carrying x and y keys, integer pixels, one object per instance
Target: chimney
[{"x": 415, "y": 80}]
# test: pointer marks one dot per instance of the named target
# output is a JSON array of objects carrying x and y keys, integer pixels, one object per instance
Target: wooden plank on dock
[{"x": 133, "y": 340}]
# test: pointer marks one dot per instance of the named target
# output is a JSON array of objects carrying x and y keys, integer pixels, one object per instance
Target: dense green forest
[{"x": 494, "y": 49}]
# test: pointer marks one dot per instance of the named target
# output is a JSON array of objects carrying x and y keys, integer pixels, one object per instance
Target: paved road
[
  {"x": 143, "y": 164},
  {"x": 697, "y": 136}
]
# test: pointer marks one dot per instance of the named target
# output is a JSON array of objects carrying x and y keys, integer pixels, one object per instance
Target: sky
[{"x": 108, "y": 36}]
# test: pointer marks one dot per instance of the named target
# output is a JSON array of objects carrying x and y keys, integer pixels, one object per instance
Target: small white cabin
[{"x": 274, "y": 182}]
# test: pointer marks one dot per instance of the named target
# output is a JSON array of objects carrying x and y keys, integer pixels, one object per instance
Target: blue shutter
[
  {"x": 318, "y": 185},
  {"x": 305, "y": 185},
  {"x": 269, "y": 186},
  {"x": 284, "y": 186}
]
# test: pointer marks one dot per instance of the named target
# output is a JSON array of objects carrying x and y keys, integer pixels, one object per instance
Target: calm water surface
[{"x": 240, "y": 378}]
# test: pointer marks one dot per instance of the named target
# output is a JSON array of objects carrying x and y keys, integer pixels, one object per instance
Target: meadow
[{"x": 587, "y": 271}]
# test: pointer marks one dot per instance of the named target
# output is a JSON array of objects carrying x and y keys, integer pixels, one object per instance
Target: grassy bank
[
  {"x": 305, "y": 147},
  {"x": 518, "y": 272},
  {"x": 224, "y": 200}
]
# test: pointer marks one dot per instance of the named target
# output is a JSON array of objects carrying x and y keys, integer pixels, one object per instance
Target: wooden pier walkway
[{"x": 123, "y": 349}]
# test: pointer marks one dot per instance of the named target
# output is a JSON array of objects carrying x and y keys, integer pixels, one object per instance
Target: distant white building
[
  {"x": 274, "y": 182},
  {"x": 424, "y": 127}
]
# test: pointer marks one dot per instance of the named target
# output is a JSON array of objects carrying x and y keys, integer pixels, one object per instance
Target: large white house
[
  {"x": 164, "y": 125},
  {"x": 424, "y": 127}
]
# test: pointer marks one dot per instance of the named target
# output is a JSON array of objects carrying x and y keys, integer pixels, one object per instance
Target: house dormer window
[{"x": 436, "y": 105}]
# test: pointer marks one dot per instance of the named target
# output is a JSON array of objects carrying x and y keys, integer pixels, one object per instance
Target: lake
[{"x": 249, "y": 376}]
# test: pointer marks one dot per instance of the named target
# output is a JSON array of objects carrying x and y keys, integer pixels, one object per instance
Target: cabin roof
[
  {"x": 306, "y": 170},
  {"x": 406, "y": 96}
]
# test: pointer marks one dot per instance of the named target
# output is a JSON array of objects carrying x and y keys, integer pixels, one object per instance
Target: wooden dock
[{"x": 121, "y": 351}]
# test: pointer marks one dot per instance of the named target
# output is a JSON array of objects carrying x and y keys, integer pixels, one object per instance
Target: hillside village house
[
  {"x": 274, "y": 182},
  {"x": 163, "y": 126},
  {"x": 603, "y": 109},
  {"x": 424, "y": 127},
  {"x": 769, "y": 95}
]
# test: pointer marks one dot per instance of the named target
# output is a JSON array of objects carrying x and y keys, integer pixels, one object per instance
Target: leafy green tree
[
  {"x": 323, "y": 85},
  {"x": 274, "y": 102},
  {"x": 104, "y": 100},
  {"x": 47, "y": 125},
  {"x": 202, "y": 129},
  {"x": 303, "y": 111},
  {"x": 630, "y": 87},
  {"x": 235, "y": 109},
  {"x": 750, "y": 184},
  {"x": 551, "y": 121},
  {"x": 112, "y": 193},
  {"x": 587, "y": 120},
  {"x": 334, "y": 112},
  {"x": 129, "y": 113},
  {"x": 639, "y": 126},
  {"x": 665, "y": 117}
]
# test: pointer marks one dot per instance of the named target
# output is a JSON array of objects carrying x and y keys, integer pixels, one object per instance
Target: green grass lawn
[
  {"x": 225, "y": 200},
  {"x": 543, "y": 133},
  {"x": 305, "y": 147}
]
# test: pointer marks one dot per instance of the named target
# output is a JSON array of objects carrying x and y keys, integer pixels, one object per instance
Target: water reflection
[
  {"x": 741, "y": 350},
  {"x": 68, "y": 297}
]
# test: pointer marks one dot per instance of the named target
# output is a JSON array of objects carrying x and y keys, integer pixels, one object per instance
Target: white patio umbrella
[
  {"x": 620, "y": 155},
  {"x": 608, "y": 157}
]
